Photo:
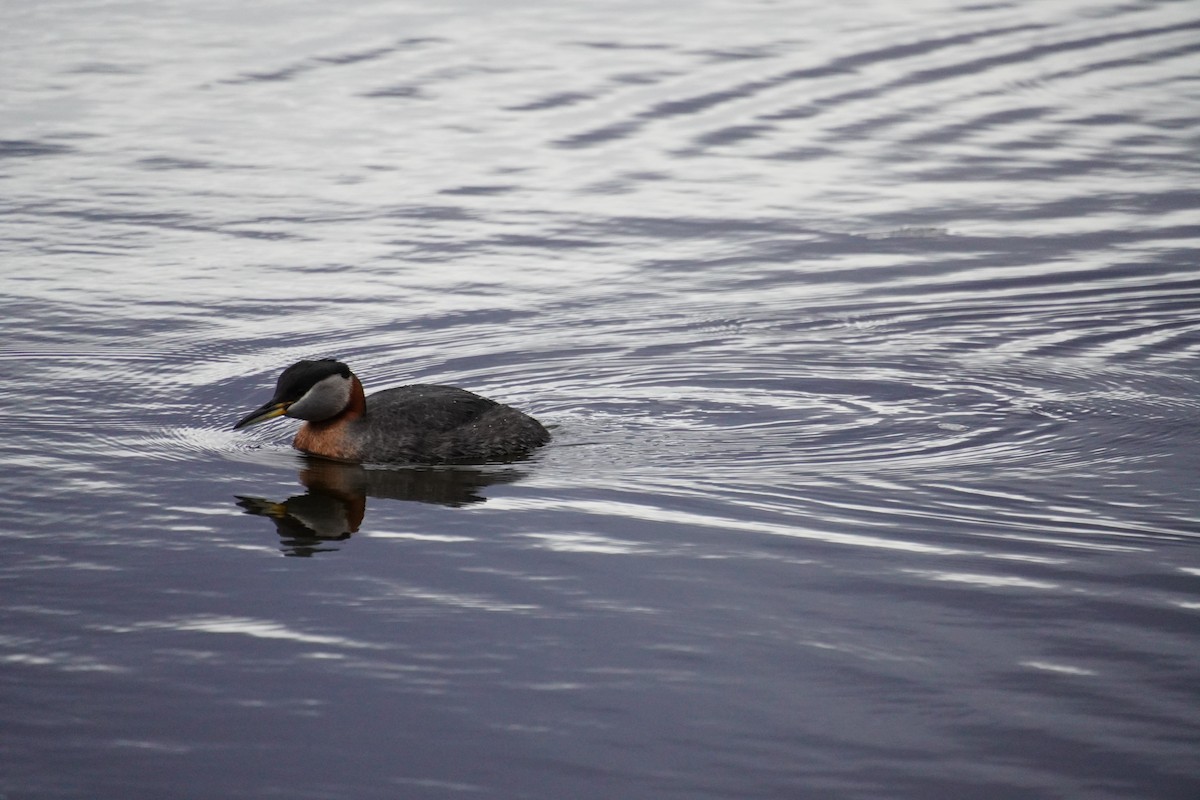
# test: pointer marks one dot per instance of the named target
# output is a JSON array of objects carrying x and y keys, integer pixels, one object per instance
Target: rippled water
[{"x": 868, "y": 335}]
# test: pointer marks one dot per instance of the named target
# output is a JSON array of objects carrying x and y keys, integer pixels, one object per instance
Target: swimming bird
[{"x": 421, "y": 423}]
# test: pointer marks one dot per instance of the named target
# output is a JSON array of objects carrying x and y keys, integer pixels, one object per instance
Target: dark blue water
[{"x": 869, "y": 337}]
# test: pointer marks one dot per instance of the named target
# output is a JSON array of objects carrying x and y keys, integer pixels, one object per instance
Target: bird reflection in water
[{"x": 336, "y": 501}]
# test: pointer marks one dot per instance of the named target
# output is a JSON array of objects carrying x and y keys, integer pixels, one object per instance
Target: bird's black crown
[{"x": 303, "y": 375}]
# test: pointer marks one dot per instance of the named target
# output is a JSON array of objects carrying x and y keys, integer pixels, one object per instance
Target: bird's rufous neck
[
  {"x": 330, "y": 437},
  {"x": 358, "y": 400}
]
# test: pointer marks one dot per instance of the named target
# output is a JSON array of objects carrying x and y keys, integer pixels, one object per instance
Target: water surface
[{"x": 868, "y": 335}]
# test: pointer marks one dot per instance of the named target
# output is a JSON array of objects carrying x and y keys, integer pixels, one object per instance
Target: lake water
[{"x": 868, "y": 334}]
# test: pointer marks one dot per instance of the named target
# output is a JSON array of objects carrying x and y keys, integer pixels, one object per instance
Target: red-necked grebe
[{"x": 420, "y": 423}]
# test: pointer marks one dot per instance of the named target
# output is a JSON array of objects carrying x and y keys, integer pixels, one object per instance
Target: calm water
[{"x": 869, "y": 334}]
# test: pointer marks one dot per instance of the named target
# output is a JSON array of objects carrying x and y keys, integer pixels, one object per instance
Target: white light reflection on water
[
  {"x": 669, "y": 517},
  {"x": 244, "y": 626}
]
